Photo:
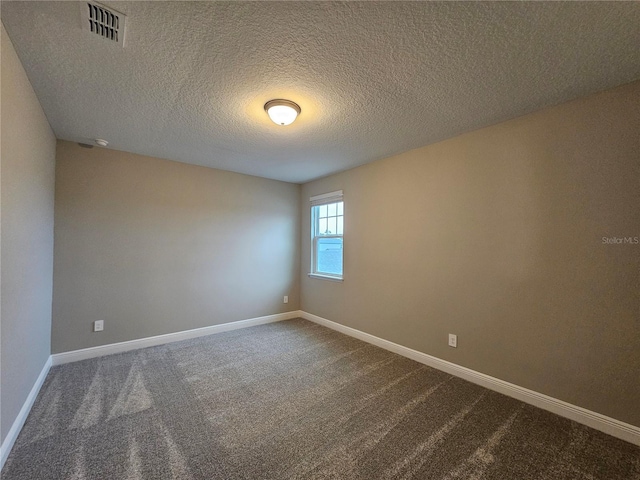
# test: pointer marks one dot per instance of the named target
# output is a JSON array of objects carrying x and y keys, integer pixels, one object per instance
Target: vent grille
[{"x": 102, "y": 21}]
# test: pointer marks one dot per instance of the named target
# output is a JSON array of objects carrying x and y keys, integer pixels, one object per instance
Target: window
[{"x": 327, "y": 225}]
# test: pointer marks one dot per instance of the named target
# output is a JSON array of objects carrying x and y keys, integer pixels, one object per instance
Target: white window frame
[{"x": 317, "y": 201}]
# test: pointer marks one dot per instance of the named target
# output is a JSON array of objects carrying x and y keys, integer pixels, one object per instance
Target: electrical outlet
[
  {"x": 453, "y": 340},
  {"x": 98, "y": 325},
  {"x": 286, "y": 299}
]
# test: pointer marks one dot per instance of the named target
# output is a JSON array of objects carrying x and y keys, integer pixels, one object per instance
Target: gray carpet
[{"x": 293, "y": 400}]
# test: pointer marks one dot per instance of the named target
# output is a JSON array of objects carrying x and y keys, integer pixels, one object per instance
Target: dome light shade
[{"x": 282, "y": 112}]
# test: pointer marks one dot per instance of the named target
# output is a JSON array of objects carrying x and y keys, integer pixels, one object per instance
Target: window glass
[
  {"x": 331, "y": 226},
  {"x": 322, "y": 229},
  {"x": 330, "y": 255},
  {"x": 327, "y": 242}
]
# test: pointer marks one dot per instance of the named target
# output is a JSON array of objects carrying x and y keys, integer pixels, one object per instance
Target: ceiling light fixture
[
  {"x": 101, "y": 143},
  {"x": 282, "y": 112}
]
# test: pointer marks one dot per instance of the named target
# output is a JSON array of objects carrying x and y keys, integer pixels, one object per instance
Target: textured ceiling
[{"x": 373, "y": 78}]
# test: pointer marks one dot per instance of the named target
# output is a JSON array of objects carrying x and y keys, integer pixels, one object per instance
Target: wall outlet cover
[
  {"x": 98, "y": 325},
  {"x": 453, "y": 340}
]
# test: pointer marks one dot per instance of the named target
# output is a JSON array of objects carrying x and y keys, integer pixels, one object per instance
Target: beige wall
[
  {"x": 152, "y": 246},
  {"x": 27, "y": 172},
  {"x": 496, "y": 236}
]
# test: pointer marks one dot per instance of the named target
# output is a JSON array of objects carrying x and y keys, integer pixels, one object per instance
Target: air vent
[{"x": 103, "y": 21}]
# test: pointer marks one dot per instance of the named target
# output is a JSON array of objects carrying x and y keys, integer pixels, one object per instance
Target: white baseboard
[
  {"x": 611, "y": 426},
  {"x": 92, "y": 352},
  {"x": 11, "y": 437}
]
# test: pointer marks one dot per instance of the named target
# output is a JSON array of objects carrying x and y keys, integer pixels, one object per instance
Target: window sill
[{"x": 325, "y": 277}]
